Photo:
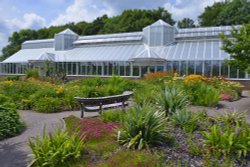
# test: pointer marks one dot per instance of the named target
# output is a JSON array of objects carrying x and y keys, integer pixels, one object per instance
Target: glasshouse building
[{"x": 159, "y": 47}]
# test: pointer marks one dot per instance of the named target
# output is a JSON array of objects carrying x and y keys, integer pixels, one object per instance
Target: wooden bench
[{"x": 86, "y": 103}]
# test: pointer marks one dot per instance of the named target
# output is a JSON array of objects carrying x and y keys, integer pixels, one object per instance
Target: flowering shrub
[
  {"x": 193, "y": 78},
  {"x": 95, "y": 128},
  {"x": 226, "y": 97},
  {"x": 161, "y": 75}
]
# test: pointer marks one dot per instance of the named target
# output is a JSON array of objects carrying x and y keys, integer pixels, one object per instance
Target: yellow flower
[
  {"x": 8, "y": 82},
  {"x": 193, "y": 78},
  {"x": 60, "y": 90}
]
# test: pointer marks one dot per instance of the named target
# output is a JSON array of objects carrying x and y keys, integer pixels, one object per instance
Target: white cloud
[
  {"x": 29, "y": 20},
  {"x": 80, "y": 10},
  {"x": 188, "y": 8}
]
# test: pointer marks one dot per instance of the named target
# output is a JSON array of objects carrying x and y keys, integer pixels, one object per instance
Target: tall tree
[
  {"x": 239, "y": 47},
  {"x": 229, "y": 12},
  {"x": 186, "y": 23}
]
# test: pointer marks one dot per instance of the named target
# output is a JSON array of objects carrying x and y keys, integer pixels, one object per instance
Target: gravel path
[{"x": 14, "y": 151}]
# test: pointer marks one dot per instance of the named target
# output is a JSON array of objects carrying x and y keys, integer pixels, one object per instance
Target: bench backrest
[{"x": 104, "y": 100}]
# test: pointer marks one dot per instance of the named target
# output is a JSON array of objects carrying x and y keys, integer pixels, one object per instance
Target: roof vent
[
  {"x": 64, "y": 40},
  {"x": 159, "y": 33}
]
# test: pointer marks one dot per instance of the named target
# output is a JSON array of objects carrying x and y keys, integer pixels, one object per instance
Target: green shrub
[
  {"x": 48, "y": 104},
  {"x": 113, "y": 116},
  {"x": 231, "y": 119},
  {"x": 56, "y": 149},
  {"x": 146, "y": 93},
  {"x": 10, "y": 123},
  {"x": 128, "y": 158},
  {"x": 143, "y": 127},
  {"x": 186, "y": 119},
  {"x": 228, "y": 140},
  {"x": 172, "y": 99},
  {"x": 203, "y": 94},
  {"x": 32, "y": 73},
  {"x": 13, "y": 78}
]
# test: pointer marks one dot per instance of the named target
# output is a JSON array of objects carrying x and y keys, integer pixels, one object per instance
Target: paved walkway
[
  {"x": 14, "y": 151},
  {"x": 242, "y": 105}
]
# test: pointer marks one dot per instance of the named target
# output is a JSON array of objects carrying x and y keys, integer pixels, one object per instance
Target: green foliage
[
  {"x": 47, "y": 105},
  {"x": 233, "y": 12},
  {"x": 172, "y": 99},
  {"x": 239, "y": 48},
  {"x": 186, "y": 23},
  {"x": 72, "y": 124},
  {"x": 228, "y": 140},
  {"x": 203, "y": 94},
  {"x": 56, "y": 149},
  {"x": 143, "y": 127},
  {"x": 102, "y": 147},
  {"x": 125, "y": 158},
  {"x": 113, "y": 116},
  {"x": 231, "y": 118},
  {"x": 187, "y": 120},
  {"x": 32, "y": 73},
  {"x": 5, "y": 101},
  {"x": 13, "y": 78},
  {"x": 10, "y": 123},
  {"x": 145, "y": 93}
]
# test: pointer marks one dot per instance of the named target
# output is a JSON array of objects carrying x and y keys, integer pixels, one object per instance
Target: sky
[{"x": 35, "y": 14}]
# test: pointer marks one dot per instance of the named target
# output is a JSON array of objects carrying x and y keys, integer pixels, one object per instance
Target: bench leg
[
  {"x": 123, "y": 105},
  {"x": 100, "y": 108},
  {"x": 82, "y": 110}
]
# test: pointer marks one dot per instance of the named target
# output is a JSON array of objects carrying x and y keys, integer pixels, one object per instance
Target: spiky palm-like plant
[
  {"x": 172, "y": 99},
  {"x": 143, "y": 127}
]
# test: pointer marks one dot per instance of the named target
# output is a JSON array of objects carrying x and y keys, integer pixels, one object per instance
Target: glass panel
[
  {"x": 183, "y": 68},
  {"x": 69, "y": 66},
  {"x": 94, "y": 69},
  {"x": 216, "y": 68},
  {"x": 110, "y": 69},
  {"x": 224, "y": 69},
  {"x": 160, "y": 68},
  {"x": 198, "y": 65},
  {"x": 99, "y": 69},
  {"x": 127, "y": 70},
  {"x": 89, "y": 68},
  {"x": 122, "y": 69},
  {"x": 74, "y": 68},
  {"x": 144, "y": 70},
  {"x": 169, "y": 66},
  {"x": 116, "y": 69},
  {"x": 242, "y": 73},
  {"x": 233, "y": 72},
  {"x": 106, "y": 68},
  {"x": 176, "y": 66},
  {"x": 135, "y": 70},
  {"x": 207, "y": 69},
  {"x": 193, "y": 49},
  {"x": 83, "y": 67},
  {"x": 190, "y": 67},
  {"x": 151, "y": 68}
]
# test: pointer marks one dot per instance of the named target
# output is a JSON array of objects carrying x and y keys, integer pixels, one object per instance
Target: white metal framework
[{"x": 158, "y": 47}]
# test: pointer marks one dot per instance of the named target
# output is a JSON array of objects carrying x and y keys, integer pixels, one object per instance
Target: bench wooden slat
[{"x": 100, "y": 101}]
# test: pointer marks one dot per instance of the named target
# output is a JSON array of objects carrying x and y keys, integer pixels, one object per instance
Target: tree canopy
[
  {"x": 186, "y": 23},
  {"x": 239, "y": 47},
  {"x": 229, "y": 12},
  {"x": 128, "y": 21}
]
